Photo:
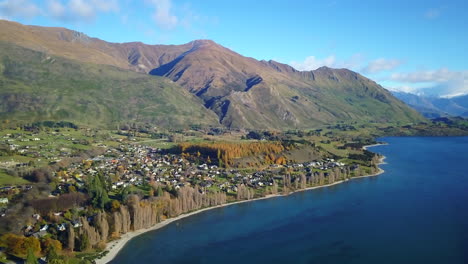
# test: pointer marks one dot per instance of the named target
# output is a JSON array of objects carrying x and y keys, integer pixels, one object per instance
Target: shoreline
[
  {"x": 115, "y": 246},
  {"x": 374, "y": 145}
]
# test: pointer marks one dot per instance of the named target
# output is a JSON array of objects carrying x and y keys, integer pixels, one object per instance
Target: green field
[{"x": 6, "y": 179}]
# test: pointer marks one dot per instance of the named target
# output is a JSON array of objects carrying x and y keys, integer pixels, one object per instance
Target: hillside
[
  {"x": 37, "y": 86},
  {"x": 241, "y": 91},
  {"x": 78, "y": 46}
]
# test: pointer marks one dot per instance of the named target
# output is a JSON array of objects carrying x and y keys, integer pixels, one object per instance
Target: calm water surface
[{"x": 416, "y": 212}]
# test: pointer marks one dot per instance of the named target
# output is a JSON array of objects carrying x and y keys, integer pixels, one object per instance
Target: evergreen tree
[
  {"x": 97, "y": 191},
  {"x": 83, "y": 242}
]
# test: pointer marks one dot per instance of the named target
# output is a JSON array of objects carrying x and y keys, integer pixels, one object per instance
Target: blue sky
[{"x": 417, "y": 46}]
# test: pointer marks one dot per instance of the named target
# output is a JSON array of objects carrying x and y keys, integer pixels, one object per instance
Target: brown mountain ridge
[{"x": 243, "y": 92}]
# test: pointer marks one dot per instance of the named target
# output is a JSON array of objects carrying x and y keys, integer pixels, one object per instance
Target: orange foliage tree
[
  {"x": 228, "y": 151},
  {"x": 19, "y": 245}
]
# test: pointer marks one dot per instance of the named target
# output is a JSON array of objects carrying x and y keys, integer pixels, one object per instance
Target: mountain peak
[
  {"x": 278, "y": 66},
  {"x": 324, "y": 68},
  {"x": 203, "y": 42}
]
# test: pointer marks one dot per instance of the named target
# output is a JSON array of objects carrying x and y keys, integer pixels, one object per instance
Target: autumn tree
[
  {"x": 49, "y": 243},
  {"x": 20, "y": 245},
  {"x": 274, "y": 188},
  {"x": 226, "y": 152},
  {"x": 331, "y": 177},
  {"x": 303, "y": 181},
  {"x": 244, "y": 193},
  {"x": 321, "y": 178}
]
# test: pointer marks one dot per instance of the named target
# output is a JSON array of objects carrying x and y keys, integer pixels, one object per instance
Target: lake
[{"x": 416, "y": 212}]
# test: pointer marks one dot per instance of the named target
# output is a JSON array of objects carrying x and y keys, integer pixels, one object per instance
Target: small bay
[{"x": 415, "y": 212}]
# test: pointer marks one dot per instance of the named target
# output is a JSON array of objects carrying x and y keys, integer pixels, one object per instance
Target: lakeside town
[{"x": 64, "y": 179}]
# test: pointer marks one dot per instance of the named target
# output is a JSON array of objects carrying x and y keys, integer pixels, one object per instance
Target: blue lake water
[{"x": 416, "y": 212}]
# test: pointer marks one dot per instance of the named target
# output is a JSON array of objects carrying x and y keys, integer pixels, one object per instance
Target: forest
[{"x": 224, "y": 153}]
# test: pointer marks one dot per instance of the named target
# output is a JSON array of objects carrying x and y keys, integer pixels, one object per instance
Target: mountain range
[
  {"x": 433, "y": 107},
  {"x": 59, "y": 74}
]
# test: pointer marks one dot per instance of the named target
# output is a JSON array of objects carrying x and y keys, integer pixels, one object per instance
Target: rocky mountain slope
[{"x": 241, "y": 91}]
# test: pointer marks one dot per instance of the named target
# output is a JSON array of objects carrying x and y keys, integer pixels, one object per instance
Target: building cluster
[{"x": 136, "y": 165}]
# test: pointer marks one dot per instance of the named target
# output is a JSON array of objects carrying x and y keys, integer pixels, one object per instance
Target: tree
[
  {"x": 83, "y": 242},
  {"x": 114, "y": 206},
  {"x": 97, "y": 191},
  {"x": 124, "y": 193},
  {"x": 51, "y": 255},
  {"x": 71, "y": 188},
  {"x": 31, "y": 258},
  {"x": 160, "y": 191},
  {"x": 33, "y": 244},
  {"x": 303, "y": 181},
  {"x": 20, "y": 245},
  {"x": 49, "y": 244}
]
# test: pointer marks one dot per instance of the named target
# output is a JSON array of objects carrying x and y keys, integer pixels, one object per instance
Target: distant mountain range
[
  {"x": 433, "y": 107},
  {"x": 60, "y": 74}
]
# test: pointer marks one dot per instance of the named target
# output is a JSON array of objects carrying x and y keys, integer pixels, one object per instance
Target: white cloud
[
  {"x": 69, "y": 10},
  {"x": 380, "y": 65},
  {"x": 19, "y": 8},
  {"x": 56, "y": 9},
  {"x": 163, "y": 15},
  {"x": 432, "y": 13},
  {"x": 106, "y": 5},
  {"x": 442, "y": 82},
  {"x": 403, "y": 88},
  {"x": 311, "y": 63},
  {"x": 81, "y": 9},
  {"x": 440, "y": 75}
]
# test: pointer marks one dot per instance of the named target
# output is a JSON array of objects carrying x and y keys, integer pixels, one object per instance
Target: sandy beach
[{"x": 115, "y": 246}]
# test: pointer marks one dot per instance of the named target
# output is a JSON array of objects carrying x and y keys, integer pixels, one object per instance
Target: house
[
  {"x": 40, "y": 234},
  {"x": 76, "y": 223},
  {"x": 61, "y": 227},
  {"x": 44, "y": 228},
  {"x": 28, "y": 229}
]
